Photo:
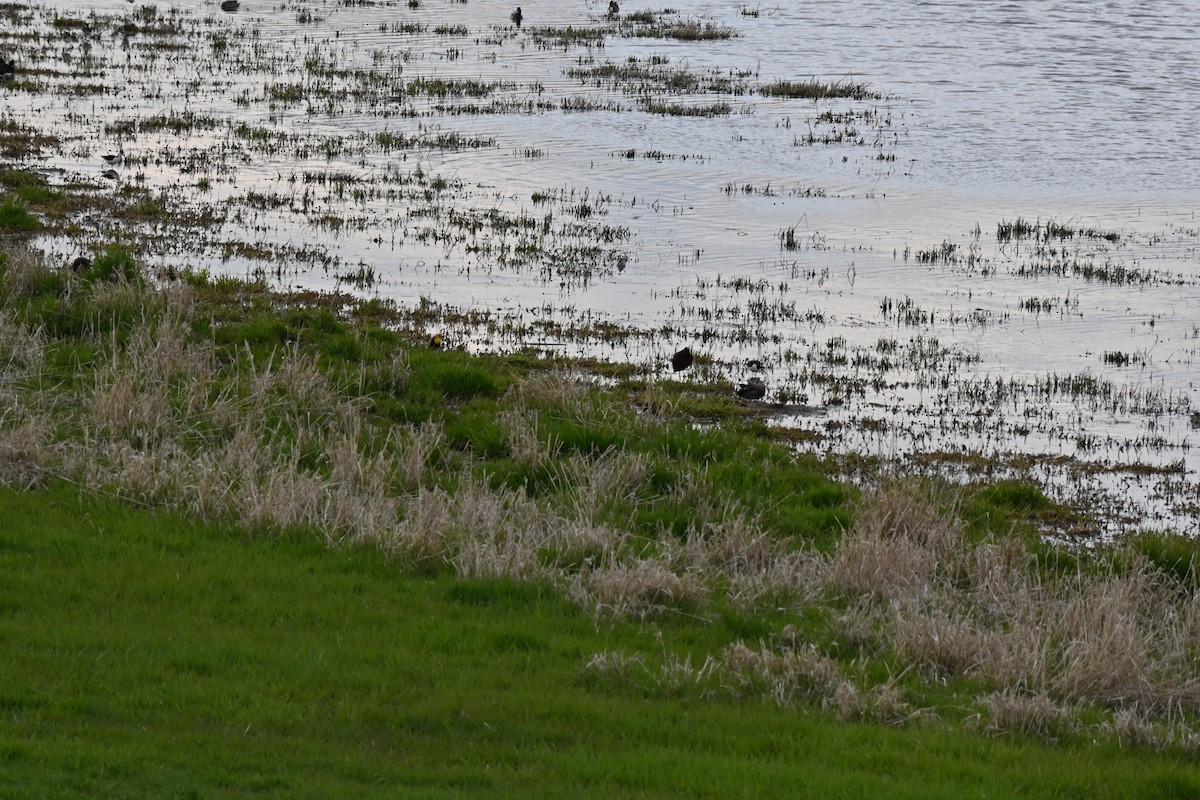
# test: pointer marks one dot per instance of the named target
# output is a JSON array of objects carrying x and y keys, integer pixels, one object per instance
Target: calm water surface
[{"x": 1076, "y": 360}]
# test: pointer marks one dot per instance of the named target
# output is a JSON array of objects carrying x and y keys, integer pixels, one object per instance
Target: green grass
[
  {"x": 15, "y": 217},
  {"x": 639, "y": 527},
  {"x": 146, "y": 655}
]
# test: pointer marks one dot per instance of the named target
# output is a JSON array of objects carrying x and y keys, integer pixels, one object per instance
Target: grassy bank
[
  {"x": 472, "y": 574},
  {"x": 150, "y": 655}
]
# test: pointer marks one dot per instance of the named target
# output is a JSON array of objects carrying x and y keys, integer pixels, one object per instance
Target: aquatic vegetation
[
  {"x": 569, "y": 36},
  {"x": 680, "y": 110},
  {"x": 814, "y": 89},
  {"x": 1051, "y": 229},
  {"x": 686, "y": 30}
]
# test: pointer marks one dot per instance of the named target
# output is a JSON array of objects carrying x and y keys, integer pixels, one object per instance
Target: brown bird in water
[
  {"x": 753, "y": 389},
  {"x": 681, "y": 360},
  {"x": 517, "y": 16}
]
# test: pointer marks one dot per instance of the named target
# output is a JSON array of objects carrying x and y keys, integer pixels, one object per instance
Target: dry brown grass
[
  {"x": 640, "y": 588},
  {"x": 787, "y": 675},
  {"x": 948, "y": 606},
  {"x": 274, "y": 444},
  {"x": 1010, "y": 711},
  {"x": 23, "y": 446},
  {"x": 1134, "y": 728},
  {"x": 615, "y": 663}
]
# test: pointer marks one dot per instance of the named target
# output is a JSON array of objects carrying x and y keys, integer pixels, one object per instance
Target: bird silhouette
[
  {"x": 229, "y": 5},
  {"x": 111, "y": 174},
  {"x": 113, "y": 159},
  {"x": 681, "y": 360},
  {"x": 517, "y": 16},
  {"x": 613, "y": 8},
  {"x": 753, "y": 389},
  {"x": 81, "y": 262},
  {"x": 7, "y": 68}
]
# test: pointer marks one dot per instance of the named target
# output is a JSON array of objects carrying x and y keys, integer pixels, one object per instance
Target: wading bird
[
  {"x": 517, "y": 16},
  {"x": 681, "y": 360},
  {"x": 753, "y": 389}
]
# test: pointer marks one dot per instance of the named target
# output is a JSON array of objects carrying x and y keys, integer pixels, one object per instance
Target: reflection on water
[{"x": 556, "y": 180}]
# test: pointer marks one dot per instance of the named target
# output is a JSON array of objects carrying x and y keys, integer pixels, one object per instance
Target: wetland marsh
[{"x": 956, "y": 239}]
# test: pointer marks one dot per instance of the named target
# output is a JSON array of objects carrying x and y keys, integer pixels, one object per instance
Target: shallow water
[{"x": 1073, "y": 358}]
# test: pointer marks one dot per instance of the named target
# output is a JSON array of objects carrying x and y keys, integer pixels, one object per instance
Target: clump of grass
[
  {"x": 1061, "y": 230},
  {"x": 568, "y": 36},
  {"x": 788, "y": 240},
  {"x": 696, "y": 31},
  {"x": 1051, "y": 229},
  {"x": 720, "y": 109},
  {"x": 113, "y": 265},
  {"x": 15, "y": 217},
  {"x": 1017, "y": 229},
  {"x": 946, "y": 253},
  {"x": 814, "y": 89},
  {"x": 1037, "y": 715}
]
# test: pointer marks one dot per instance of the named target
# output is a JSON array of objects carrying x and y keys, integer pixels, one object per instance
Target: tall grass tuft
[{"x": 814, "y": 89}]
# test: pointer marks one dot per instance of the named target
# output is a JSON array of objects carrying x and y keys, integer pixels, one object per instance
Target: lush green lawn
[{"x": 144, "y": 655}]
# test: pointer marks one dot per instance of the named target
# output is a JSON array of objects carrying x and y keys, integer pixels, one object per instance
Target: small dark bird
[
  {"x": 436, "y": 341},
  {"x": 7, "y": 68},
  {"x": 517, "y": 16},
  {"x": 81, "y": 262},
  {"x": 753, "y": 389},
  {"x": 229, "y": 5},
  {"x": 613, "y": 8},
  {"x": 681, "y": 360},
  {"x": 113, "y": 158},
  {"x": 755, "y": 365}
]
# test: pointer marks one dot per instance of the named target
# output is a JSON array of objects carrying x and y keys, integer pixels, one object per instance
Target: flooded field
[{"x": 956, "y": 239}]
